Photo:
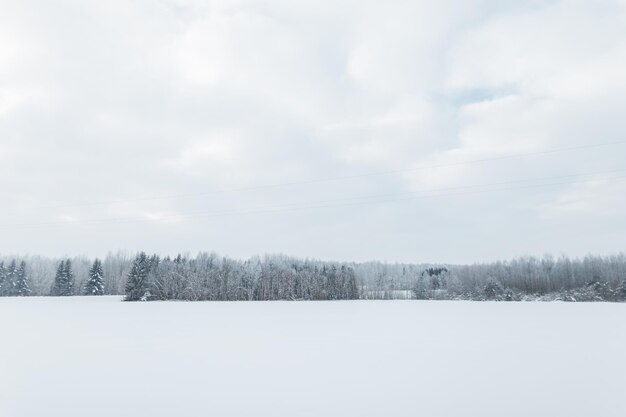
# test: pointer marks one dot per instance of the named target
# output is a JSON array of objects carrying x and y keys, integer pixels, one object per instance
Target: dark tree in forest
[
  {"x": 63, "y": 280},
  {"x": 21, "y": 285}
]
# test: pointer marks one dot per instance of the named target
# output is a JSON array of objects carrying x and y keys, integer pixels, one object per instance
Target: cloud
[
  {"x": 528, "y": 76},
  {"x": 601, "y": 195},
  {"x": 205, "y": 157},
  {"x": 531, "y": 50},
  {"x": 119, "y": 102},
  {"x": 70, "y": 219},
  {"x": 162, "y": 218}
]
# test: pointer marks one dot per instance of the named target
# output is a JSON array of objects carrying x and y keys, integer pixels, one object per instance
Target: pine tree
[
  {"x": 11, "y": 279},
  {"x": 22, "y": 287},
  {"x": 94, "y": 285},
  {"x": 63, "y": 280},
  {"x": 137, "y": 285},
  {"x": 3, "y": 277},
  {"x": 59, "y": 285}
]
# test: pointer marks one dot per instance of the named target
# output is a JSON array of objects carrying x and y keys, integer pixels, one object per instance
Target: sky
[{"x": 401, "y": 131}]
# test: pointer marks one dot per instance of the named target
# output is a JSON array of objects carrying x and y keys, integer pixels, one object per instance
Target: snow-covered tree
[
  {"x": 58, "y": 288},
  {"x": 209, "y": 276},
  {"x": 63, "y": 280},
  {"x": 10, "y": 280},
  {"x": 95, "y": 283},
  {"x": 351, "y": 288},
  {"x": 3, "y": 280},
  {"x": 21, "y": 285},
  {"x": 621, "y": 290},
  {"x": 68, "y": 277},
  {"x": 419, "y": 289},
  {"x": 137, "y": 285},
  {"x": 493, "y": 289}
]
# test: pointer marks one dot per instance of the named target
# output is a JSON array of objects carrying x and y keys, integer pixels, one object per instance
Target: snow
[{"x": 97, "y": 356}]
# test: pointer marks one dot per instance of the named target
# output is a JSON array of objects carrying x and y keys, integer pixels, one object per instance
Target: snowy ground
[{"x": 100, "y": 357}]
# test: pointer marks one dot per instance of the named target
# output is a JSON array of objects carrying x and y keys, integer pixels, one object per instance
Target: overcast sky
[{"x": 251, "y": 127}]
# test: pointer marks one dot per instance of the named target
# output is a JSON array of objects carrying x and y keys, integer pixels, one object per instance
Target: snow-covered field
[{"x": 98, "y": 356}]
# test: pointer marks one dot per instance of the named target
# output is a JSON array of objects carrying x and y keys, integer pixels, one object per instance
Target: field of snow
[{"x": 98, "y": 356}]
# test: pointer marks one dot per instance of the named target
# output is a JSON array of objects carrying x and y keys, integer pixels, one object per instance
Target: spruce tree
[
  {"x": 22, "y": 287},
  {"x": 137, "y": 286},
  {"x": 63, "y": 280},
  {"x": 58, "y": 286},
  {"x": 68, "y": 278},
  {"x": 3, "y": 278},
  {"x": 11, "y": 279},
  {"x": 95, "y": 285}
]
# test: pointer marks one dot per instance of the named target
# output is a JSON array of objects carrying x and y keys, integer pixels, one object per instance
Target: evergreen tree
[
  {"x": 22, "y": 288},
  {"x": 3, "y": 278},
  {"x": 493, "y": 289},
  {"x": 68, "y": 278},
  {"x": 137, "y": 285},
  {"x": 94, "y": 285},
  {"x": 11, "y": 279},
  {"x": 63, "y": 280},
  {"x": 58, "y": 285}
]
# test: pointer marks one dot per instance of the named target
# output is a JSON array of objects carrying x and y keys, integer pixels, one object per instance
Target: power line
[
  {"x": 330, "y": 179},
  {"x": 346, "y": 201}
]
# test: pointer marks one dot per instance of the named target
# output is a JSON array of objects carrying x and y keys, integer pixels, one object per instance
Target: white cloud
[
  {"x": 602, "y": 195},
  {"x": 507, "y": 125},
  {"x": 162, "y": 218},
  {"x": 531, "y": 50},
  {"x": 200, "y": 156},
  {"x": 528, "y": 75},
  {"x": 70, "y": 219},
  {"x": 11, "y": 99},
  {"x": 118, "y": 100},
  {"x": 488, "y": 129}
]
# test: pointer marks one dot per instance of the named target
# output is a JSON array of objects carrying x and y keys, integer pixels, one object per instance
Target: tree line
[
  {"x": 208, "y": 276},
  {"x": 13, "y": 279}
]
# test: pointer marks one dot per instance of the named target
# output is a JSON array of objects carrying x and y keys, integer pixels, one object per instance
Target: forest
[{"x": 209, "y": 276}]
